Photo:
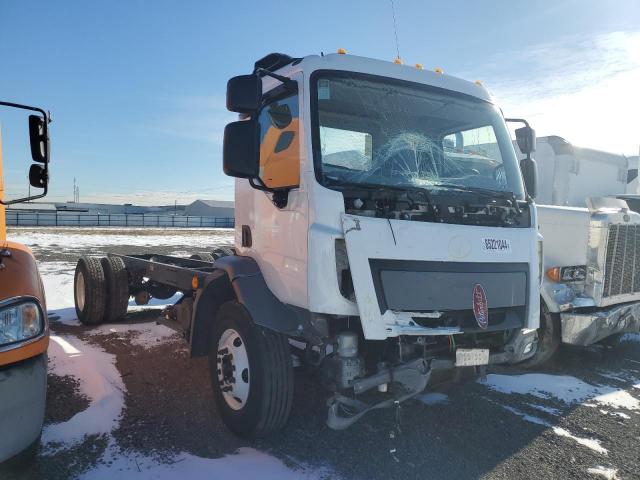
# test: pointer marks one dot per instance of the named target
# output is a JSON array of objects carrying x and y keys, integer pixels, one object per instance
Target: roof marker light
[
  {"x": 439, "y": 70},
  {"x": 419, "y": 66},
  {"x": 398, "y": 61},
  {"x": 342, "y": 51},
  {"x": 478, "y": 82}
]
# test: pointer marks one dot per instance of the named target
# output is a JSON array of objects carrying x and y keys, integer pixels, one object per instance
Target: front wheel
[{"x": 251, "y": 373}]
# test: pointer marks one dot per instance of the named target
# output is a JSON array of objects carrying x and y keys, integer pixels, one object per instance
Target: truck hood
[{"x": 502, "y": 259}]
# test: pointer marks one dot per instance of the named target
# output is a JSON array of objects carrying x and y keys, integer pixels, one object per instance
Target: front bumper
[
  {"x": 588, "y": 328},
  {"x": 522, "y": 346},
  {"x": 22, "y": 401}
]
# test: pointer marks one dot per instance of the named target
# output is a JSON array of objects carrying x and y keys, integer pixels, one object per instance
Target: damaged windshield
[{"x": 384, "y": 132}]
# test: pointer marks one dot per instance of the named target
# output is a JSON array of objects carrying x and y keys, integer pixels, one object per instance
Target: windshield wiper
[{"x": 479, "y": 190}]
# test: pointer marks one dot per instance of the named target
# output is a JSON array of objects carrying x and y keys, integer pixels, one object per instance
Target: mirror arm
[
  {"x": 279, "y": 197},
  {"x": 286, "y": 81}
]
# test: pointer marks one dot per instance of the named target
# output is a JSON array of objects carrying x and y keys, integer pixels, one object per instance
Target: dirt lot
[{"x": 125, "y": 400}]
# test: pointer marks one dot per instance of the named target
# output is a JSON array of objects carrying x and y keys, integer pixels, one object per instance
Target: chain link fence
[{"x": 68, "y": 219}]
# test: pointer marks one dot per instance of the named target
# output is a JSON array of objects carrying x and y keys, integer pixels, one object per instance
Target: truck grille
[{"x": 623, "y": 254}]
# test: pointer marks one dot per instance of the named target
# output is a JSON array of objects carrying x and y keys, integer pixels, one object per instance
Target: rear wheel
[
  {"x": 549, "y": 336},
  {"x": 117, "y": 282},
  {"x": 251, "y": 373},
  {"x": 90, "y": 290}
]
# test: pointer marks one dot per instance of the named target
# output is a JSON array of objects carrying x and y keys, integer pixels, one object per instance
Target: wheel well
[{"x": 243, "y": 281}]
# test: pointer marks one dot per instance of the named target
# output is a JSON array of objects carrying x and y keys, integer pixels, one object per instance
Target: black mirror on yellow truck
[
  {"x": 24, "y": 331},
  {"x": 39, "y": 142}
]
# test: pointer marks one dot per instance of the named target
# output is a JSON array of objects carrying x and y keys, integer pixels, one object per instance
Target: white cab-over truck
[
  {"x": 375, "y": 240},
  {"x": 591, "y": 285}
]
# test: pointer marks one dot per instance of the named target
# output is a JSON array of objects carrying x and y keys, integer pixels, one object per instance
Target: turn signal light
[
  {"x": 195, "y": 283},
  {"x": 554, "y": 274}
]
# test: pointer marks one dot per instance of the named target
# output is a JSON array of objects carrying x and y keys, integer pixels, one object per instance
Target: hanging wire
[{"x": 395, "y": 28}]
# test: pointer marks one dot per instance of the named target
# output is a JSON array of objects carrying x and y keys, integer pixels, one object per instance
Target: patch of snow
[
  {"x": 90, "y": 239},
  {"x": 99, "y": 380},
  {"x": 615, "y": 414},
  {"x": 587, "y": 442},
  {"x": 562, "y": 387},
  {"x": 608, "y": 473},
  {"x": 525, "y": 416},
  {"x": 630, "y": 337},
  {"x": 145, "y": 335},
  {"x": 246, "y": 463},
  {"x": 545, "y": 409},
  {"x": 433, "y": 398}
]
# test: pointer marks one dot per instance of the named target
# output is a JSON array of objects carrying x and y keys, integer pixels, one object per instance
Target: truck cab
[
  {"x": 386, "y": 204},
  {"x": 24, "y": 331}
]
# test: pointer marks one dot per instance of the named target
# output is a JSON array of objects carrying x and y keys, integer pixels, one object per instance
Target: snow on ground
[
  {"x": 433, "y": 398},
  {"x": 100, "y": 381},
  {"x": 590, "y": 443},
  {"x": 245, "y": 463},
  {"x": 630, "y": 337},
  {"x": 75, "y": 238},
  {"x": 567, "y": 389},
  {"x": 607, "y": 473}
]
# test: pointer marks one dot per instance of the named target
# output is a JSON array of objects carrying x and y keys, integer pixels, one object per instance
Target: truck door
[{"x": 278, "y": 230}]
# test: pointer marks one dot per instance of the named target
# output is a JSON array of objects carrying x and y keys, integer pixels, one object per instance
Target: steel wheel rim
[
  {"x": 80, "y": 294},
  {"x": 233, "y": 369}
]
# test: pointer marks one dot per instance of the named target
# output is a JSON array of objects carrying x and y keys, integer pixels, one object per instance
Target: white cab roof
[{"x": 354, "y": 63}]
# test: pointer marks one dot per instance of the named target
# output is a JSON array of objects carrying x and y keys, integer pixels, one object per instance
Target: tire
[
  {"x": 223, "y": 251},
  {"x": 205, "y": 257},
  {"x": 90, "y": 290},
  {"x": 549, "y": 337},
  {"x": 265, "y": 406},
  {"x": 117, "y": 281}
]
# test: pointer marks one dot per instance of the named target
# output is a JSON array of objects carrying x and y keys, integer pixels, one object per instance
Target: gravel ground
[{"x": 169, "y": 409}]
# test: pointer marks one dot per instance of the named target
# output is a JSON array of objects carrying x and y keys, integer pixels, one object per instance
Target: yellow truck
[{"x": 24, "y": 331}]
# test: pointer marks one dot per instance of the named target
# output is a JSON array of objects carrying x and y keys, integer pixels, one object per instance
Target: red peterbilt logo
[{"x": 480, "y": 309}]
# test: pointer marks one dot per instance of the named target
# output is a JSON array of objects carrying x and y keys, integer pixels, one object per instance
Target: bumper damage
[
  {"x": 22, "y": 402},
  {"x": 585, "y": 329}
]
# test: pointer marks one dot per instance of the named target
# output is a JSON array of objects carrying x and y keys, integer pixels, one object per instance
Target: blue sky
[{"x": 137, "y": 88}]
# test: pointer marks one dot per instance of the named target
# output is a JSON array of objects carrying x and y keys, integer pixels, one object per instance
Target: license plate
[{"x": 470, "y": 357}]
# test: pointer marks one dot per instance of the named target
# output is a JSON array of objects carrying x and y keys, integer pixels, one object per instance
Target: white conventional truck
[
  {"x": 591, "y": 284},
  {"x": 382, "y": 232}
]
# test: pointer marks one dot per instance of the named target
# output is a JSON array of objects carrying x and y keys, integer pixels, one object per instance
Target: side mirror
[
  {"x": 530, "y": 175},
  {"x": 38, "y": 176},
  {"x": 244, "y": 94},
  {"x": 526, "y": 138},
  {"x": 241, "y": 149},
  {"x": 38, "y": 138}
]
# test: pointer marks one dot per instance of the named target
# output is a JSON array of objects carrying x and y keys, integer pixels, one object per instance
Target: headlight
[
  {"x": 577, "y": 273},
  {"x": 20, "y": 321}
]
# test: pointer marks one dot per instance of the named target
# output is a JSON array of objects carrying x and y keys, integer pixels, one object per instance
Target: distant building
[{"x": 210, "y": 208}]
